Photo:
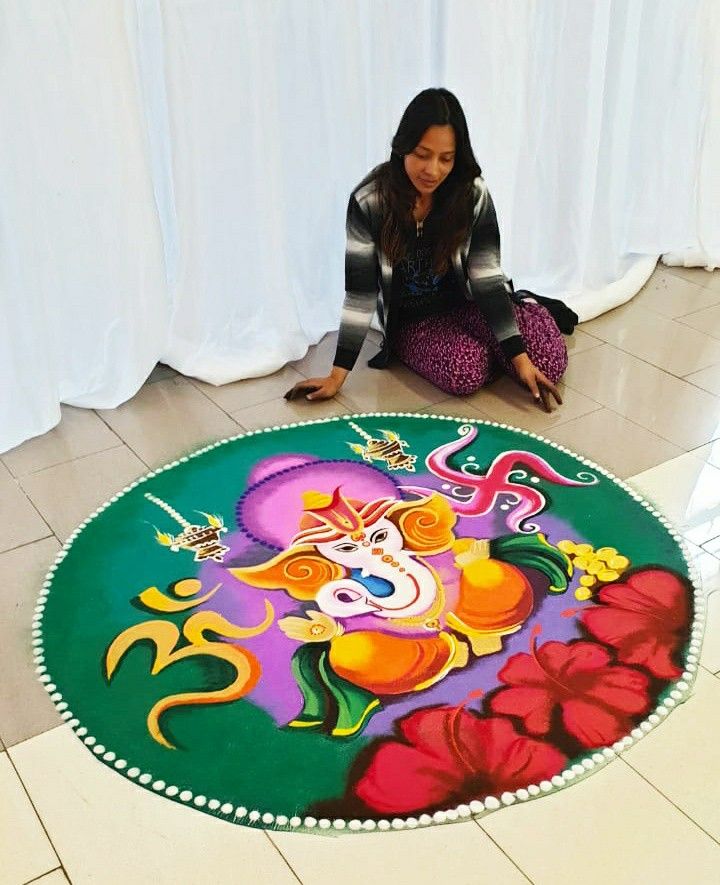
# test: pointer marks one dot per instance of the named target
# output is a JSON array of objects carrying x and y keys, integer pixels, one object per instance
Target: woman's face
[{"x": 432, "y": 159}]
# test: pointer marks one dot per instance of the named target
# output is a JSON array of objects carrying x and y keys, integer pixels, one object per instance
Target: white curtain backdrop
[
  {"x": 273, "y": 111},
  {"x": 588, "y": 120},
  {"x": 84, "y": 306},
  {"x": 174, "y": 173}
]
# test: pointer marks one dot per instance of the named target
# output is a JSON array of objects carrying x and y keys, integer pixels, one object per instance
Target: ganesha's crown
[
  {"x": 333, "y": 510},
  {"x": 313, "y": 500},
  {"x": 329, "y": 517}
]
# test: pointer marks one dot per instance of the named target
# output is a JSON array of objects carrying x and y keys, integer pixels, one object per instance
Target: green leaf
[{"x": 534, "y": 551}]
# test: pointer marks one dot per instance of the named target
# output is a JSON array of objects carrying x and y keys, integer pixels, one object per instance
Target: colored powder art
[{"x": 378, "y": 621}]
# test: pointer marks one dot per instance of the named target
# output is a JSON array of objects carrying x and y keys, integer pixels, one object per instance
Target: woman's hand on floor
[
  {"x": 319, "y": 388},
  {"x": 536, "y": 381}
]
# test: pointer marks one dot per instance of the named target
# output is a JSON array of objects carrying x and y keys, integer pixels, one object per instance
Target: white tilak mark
[{"x": 365, "y": 572}]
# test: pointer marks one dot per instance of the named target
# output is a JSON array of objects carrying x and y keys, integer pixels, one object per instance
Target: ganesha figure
[{"x": 384, "y": 621}]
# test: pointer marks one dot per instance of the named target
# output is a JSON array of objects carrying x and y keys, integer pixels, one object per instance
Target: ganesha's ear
[
  {"x": 301, "y": 571},
  {"x": 426, "y": 524}
]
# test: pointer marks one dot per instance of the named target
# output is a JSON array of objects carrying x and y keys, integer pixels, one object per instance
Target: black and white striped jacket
[{"x": 368, "y": 276}]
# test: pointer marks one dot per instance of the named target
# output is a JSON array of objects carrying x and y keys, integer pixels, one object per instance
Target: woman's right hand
[{"x": 318, "y": 388}]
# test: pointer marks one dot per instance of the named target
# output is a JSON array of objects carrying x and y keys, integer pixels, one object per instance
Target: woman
[{"x": 423, "y": 227}]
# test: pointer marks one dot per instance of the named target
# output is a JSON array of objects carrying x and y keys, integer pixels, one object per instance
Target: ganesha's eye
[
  {"x": 347, "y": 595},
  {"x": 379, "y": 536},
  {"x": 346, "y": 548}
]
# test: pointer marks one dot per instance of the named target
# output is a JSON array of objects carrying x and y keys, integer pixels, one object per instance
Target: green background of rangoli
[{"x": 235, "y": 752}]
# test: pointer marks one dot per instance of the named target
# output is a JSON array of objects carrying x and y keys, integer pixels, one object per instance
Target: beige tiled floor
[
  {"x": 642, "y": 397},
  {"x": 657, "y": 340}
]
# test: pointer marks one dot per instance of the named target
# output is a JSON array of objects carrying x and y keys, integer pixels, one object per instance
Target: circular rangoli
[{"x": 376, "y": 621}]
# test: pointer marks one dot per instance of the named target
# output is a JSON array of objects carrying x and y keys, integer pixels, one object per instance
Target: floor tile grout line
[
  {"x": 688, "y": 379},
  {"x": 121, "y": 444},
  {"x": 124, "y": 442},
  {"x": 29, "y": 543},
  {"x": 655, "y": 366},
  {"x": 567, "y": 386},
  {"x": 264, "y": 402},
  {"x": 19, "y": 476},
  {"x": 35, "y": 809},
  {"x": 200, "y": 444},
  {"x": 15, "y": 744},
  {"x": 47, "y": 873},
  {"x": 28, "y": 473},
  {"x": 656, "y": 312},
  {"x": 643, "y": 427},
  {"x": 657, "y": 789},
  {"x": 675, "y": 269},
  {"x": 29, "y": 499},
  {"x": 222, "y": 408},
  {"x": 687, "y": 316},
  {"x": 702, "y": 446},
  {"x": 598, "y": 341},
  {"x": 709, "y": 541},
  {"x": 348, "y": 404},
  {"x": 641, "y": 307},
  {"x": 478, "y": 416},
  {"x": 712, "y": 338},
  {"x": 311, "y": 416},
  {"x": 267, "y": 835},
  {"x": 478, "y": 823},
  {"x": 685, "y": 377},
  {"x": 544, "y": 431}
]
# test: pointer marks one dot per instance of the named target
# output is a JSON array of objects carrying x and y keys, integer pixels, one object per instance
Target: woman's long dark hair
[{"x": 450, "y": 219}]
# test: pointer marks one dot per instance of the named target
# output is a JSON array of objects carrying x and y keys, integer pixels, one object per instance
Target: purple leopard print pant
[{"x": 458, "y": 352}]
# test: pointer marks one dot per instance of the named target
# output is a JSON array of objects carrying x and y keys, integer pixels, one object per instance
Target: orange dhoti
[{"x": 386, "y": 664}]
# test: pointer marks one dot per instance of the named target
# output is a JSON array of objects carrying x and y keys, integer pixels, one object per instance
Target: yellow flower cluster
[{"x": 600, "y": 566}]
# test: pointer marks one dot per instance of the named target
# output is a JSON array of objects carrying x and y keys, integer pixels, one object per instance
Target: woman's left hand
[{"x": 536, "y": 381}]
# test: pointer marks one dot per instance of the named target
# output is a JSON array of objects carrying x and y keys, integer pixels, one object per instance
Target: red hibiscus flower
[
  {"x": 452, "y": 756},
  {"x": 645, "y": 618},
  {"x": 597, "y": 699}
]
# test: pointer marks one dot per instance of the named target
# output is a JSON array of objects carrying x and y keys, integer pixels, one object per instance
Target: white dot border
[{"x": 676, "y": 693}]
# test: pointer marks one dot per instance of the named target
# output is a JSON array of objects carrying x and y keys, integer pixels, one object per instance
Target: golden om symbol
[{"x": 166, "y": 637}]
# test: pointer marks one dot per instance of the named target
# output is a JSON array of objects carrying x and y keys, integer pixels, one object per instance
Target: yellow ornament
[
  {"x": 608, "y": 575},
  {"x": 606, "y": 553},
  {"x": 588, "y": 581},
  {"x": 583, "y": 593}
]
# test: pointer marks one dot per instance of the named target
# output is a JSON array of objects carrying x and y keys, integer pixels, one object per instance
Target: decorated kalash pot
[
  {"x": 386, "y": 621},
  {"x": 202, "y": 540}
]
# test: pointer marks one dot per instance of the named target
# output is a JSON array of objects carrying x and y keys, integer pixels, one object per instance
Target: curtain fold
[
  {"x": 700, "y": 244},
  {"x": 84, "y": 301},
  {"x": 599, "y": 165},
  {"x": 175, "y": 173},
  {"x": 276, "y": 110}
]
